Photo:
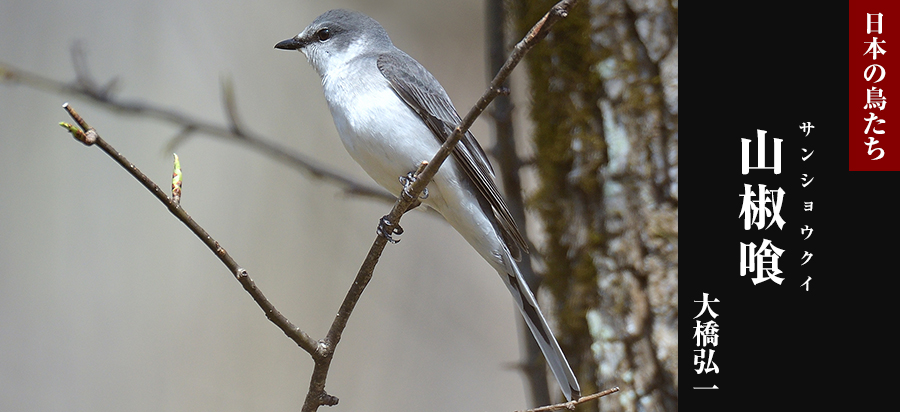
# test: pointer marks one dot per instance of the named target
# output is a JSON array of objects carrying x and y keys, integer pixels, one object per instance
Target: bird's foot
[
  {"x": 383, "y": 231},
  {"x": 407, "y": 182}
]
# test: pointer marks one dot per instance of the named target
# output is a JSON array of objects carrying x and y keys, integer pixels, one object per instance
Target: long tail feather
[{"x": 542, "y": 334}]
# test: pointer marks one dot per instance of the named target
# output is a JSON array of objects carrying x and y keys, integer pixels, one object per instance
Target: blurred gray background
[{"x": 107, "y": 302}]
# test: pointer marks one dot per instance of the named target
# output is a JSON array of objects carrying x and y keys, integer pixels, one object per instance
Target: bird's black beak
[{"x": 290, "y": 44}]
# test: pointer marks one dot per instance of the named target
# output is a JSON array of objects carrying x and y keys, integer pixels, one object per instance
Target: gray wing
[{"x": 422, "y": 93}]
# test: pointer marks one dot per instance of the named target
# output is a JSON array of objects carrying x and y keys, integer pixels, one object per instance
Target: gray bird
[{"x": 391, "y": 114}]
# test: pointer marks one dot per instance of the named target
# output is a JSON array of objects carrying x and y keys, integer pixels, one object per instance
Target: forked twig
[
  {"x": 87, "y": 135},
  {"x": 571, "y": 405}
]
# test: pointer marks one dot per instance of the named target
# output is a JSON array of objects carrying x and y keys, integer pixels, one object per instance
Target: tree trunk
[{"x": 604, "y": 106}]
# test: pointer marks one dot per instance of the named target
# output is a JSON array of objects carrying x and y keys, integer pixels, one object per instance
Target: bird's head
[{"x": 337, "y": 37}]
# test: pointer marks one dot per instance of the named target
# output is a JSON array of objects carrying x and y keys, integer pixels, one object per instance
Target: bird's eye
[{"x": 323, "y": 34}]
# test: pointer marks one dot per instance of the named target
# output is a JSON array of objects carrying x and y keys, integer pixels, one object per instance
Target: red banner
[{"x": 874, "y": 72}]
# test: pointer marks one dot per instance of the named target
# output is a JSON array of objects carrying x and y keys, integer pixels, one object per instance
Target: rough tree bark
[{"x": 604, "y": 106}]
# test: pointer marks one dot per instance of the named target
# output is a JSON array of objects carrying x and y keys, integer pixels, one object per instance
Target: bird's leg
[
  {"x": 407, "y": 182},
  {"x": 382, "y": 231}
]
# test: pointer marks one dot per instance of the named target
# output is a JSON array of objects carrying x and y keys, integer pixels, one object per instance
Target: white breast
[
  {"x": 378, "y": 129},
  {"x": 389, "y": 140}
]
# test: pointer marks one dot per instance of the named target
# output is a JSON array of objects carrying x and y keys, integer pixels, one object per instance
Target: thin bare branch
[
  {"x": 571, "y": 405},
  {"x": 230, "y": 103},
  {"x": 86, "y": 87},
  {"x": 508, "y": 164},
  {"x": 89, "y": 137}
]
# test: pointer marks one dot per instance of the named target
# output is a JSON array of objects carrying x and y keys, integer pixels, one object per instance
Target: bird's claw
[
  {"x": 388, "y": 234},
  {"x": 407, "y": 182}
]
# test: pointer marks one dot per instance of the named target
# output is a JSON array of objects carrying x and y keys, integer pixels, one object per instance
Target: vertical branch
[
  {"x": 508, "y": 164},
  {"x": 570, "y": 154}
]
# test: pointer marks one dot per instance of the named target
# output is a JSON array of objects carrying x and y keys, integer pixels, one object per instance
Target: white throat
[{"x": 330, "y": 63}]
